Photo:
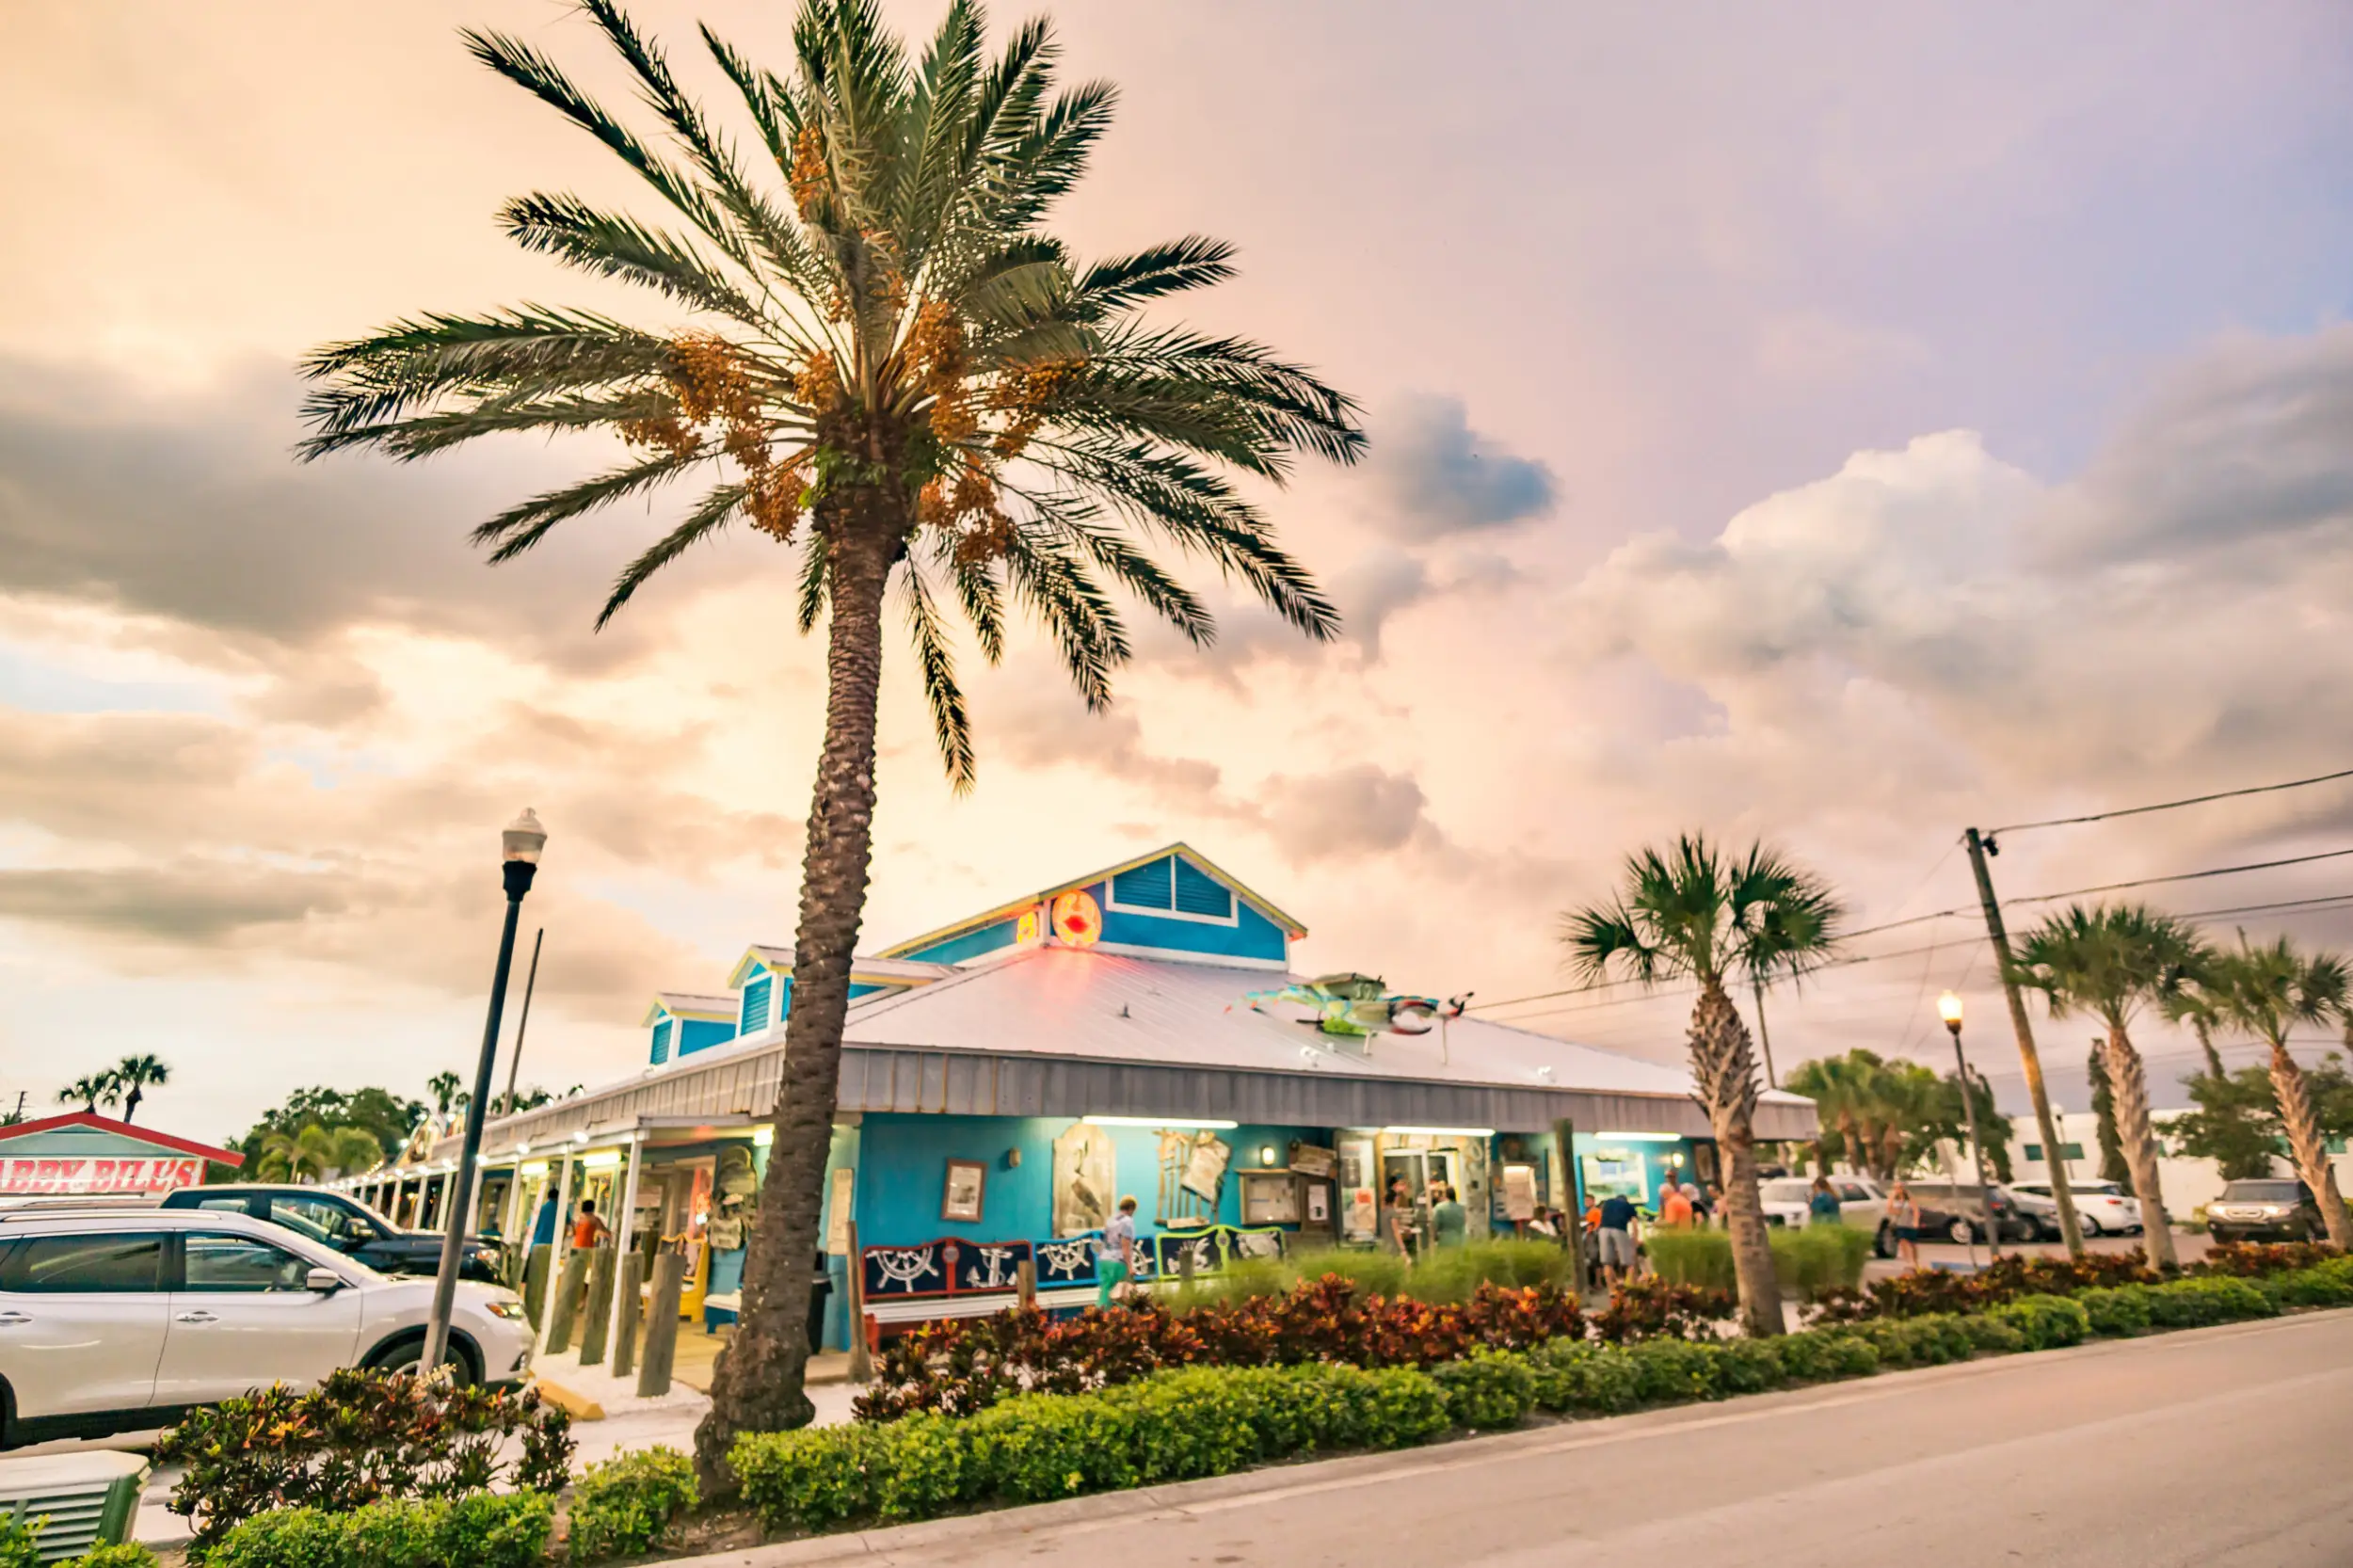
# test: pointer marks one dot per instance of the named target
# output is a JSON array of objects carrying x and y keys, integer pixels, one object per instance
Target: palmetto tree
[
  {"x": 2263, "y": 992},
  {"x": 93, "y": 1090},
  {"x": 1842, "y": 1089},
  {"x": 314, "y": 1150},
  {"x": 135, "y": 1074},
  {"x": 876, "y": 357},
  {"x": 2110, "y": 960},
  {"x": 1692, "y": 913},
  {"x": 446, "y": 1089}
]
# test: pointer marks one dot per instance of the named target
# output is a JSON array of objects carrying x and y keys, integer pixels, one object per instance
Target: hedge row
[
  {"x": 1212, "y": 1420},
  {"x": 481, "y": 1530}
]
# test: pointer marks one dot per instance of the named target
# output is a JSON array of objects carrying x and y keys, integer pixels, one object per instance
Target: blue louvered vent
[
  {"x": 1145, "y": 887},
  {"x": 756, "y": 995},
  {"x": 1199, "y": 893},
  {"x": 661, "y": 1032}
]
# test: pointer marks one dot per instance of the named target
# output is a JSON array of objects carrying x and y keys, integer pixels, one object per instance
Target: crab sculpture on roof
[{"x": 1358, "y": 1006}]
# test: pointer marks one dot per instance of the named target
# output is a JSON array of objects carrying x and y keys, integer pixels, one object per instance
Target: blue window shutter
[
  {"x": 756, "y": 994},
  {"x": 1199, "y": 893},
  {"x": 1145, "y": 887},
  {"x": 662, "y": 1042}
]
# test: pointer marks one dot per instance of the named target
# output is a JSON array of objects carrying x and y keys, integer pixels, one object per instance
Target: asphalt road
[{"x": 2222, "y": 1448}]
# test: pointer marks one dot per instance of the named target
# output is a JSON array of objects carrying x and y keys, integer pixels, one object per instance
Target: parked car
[
  {"x": 1956, "y": 1211},
  {"x": 2102, "y": 1207},
  {"x": 1788, "y": 1201},
  {"x": 349, "y": 1226},
  {"x": 121, "y": 1318},
  {"x": 2269, "y": 1209}
]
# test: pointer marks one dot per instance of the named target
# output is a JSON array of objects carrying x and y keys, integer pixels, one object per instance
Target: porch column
[
  {"x": 621, "y": 1225},
  {"x": 514, "y": 1211},
  {"x": 563, "y": 1240}
]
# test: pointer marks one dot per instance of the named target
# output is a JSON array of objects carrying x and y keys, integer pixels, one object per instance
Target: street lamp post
[
  {"x": 521, "y": 843},
  {"x": 1948, "y": 1008}
]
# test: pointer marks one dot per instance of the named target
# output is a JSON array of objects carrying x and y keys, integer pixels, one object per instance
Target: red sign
[
  {"x": 86, "y": 1175},
  {"x": 1076, "y": 920}
]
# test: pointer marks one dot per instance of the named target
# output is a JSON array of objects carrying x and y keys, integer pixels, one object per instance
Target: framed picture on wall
[{"x": 960, "y": 1198}]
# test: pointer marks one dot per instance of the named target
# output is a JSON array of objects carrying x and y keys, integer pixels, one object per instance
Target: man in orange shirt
[
  {"x": 590, "y": 1227},
  {"x": 1673, "y": 1207}
]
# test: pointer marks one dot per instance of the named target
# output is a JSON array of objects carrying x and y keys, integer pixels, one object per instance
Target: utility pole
[
  {"x": 2052, "y": 1148},
  {"x": 523, "y": 1023}
]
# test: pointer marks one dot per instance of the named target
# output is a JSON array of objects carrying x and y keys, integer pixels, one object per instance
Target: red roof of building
[{"x": 147, "y": 1135}]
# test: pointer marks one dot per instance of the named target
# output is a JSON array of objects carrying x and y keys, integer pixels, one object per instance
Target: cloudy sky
[{"x": 1832, "y": 422}]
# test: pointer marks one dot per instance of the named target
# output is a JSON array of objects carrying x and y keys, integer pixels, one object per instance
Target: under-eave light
[
  {"x": 1639, "y": 1137},
  {"x": 1440, "y": 1131},
  {"x": 603, "y": 1160},
  {"x": 1161, "y": 1121},
  {"x": 764, "y": 1137}
]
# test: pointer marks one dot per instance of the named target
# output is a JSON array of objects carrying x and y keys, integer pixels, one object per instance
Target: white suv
[{"x": 115, "y": 1318}]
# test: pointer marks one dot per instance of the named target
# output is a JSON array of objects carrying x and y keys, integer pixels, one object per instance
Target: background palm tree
[
  {"x": 93, "y": 1090},
  {"x": 2263, "y": 992},
  {"x": 1841, "y": 1090},
  {"x": 445, "y": 1088},
  {"x": 1690, "y": 913},
  {"x": 2109, "y": 960},
  {"x": 134, "y": 1074},
  {"x": 878, "y": 357}
]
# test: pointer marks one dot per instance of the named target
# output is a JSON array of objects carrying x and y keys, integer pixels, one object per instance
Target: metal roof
[{"x": 1058, "y": 1030}]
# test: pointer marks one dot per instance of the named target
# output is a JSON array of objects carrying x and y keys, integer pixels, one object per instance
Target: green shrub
[
  {"x": 1172, "y": 1426},
  {"x": 1037, "y": 1446},
  {"x": 1585, "y": 1379},
  {"x": 360, "y": 1438},
  {"x": 1990, "y": 1334},
  {"x": 2206, "y": 1299},
  {"x": 1448, "y": 1276},
  {"x": 2047, "y": 1322},
  {"x": 2315, "y": 1287},
  {"x": 622, "y": 1507},
  {"x": 1690, "y": 1257},
  {"x": 1673, "y": 1371},
  {"x": 20, "y": 1542},
  {"x": 118, "y": 1555},
  {"x": 121, "y": 1553},
  {"x": 2117, "y": 1313},
  {"x": 1748, "y": 1366},
  {"x": 1813, "y": 1260},
  {"x": 1821, "y": 1354},
  {"x": 1931, "y": 1340},
  {"x": 1489, "y": 1391},
  {"x": 482, "y": 1530}
]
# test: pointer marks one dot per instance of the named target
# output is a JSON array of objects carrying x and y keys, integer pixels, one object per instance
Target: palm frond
[
  {"x": 519, "y": 527},
  {"x": 610, "y": 246},
  {"x": 951, "y": 725},
  {"x": 1121, "y": 282},
  {"x": 709, "y": 514}
]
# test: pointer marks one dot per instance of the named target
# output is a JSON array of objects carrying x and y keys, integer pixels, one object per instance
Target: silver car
[{"x": 2102, "y": 1207}]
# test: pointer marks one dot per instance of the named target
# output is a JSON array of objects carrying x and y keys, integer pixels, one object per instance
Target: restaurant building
[{"x": 1007, "y": 1077}]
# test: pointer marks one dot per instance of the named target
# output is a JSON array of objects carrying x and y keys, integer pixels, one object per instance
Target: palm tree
[
  {"x": 2109, "y": 960},
  {"x": 307, "y": 1151},
  {"x": 1690, "y": 913},
  {"x": 879, "y": 356},
  {"x": 445, "y": 1088},
  {"x": 93, "y": 1090},
  {"x": 1840, "y": 1088},
  {"x": 2264, "y": 992},
  {"x": 135, "y": 1073}
]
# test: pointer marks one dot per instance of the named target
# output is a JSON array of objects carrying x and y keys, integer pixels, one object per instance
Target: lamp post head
[
  {"x": 1948, "y": 1008},
  {"x": 524, "y": 837}
]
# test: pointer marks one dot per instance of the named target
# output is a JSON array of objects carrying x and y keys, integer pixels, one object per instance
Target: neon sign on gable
[{"x": 1077, "y": 920}]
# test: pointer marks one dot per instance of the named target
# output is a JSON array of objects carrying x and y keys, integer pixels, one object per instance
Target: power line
[
  {"x": 2170, "y": 805},
  {"x": 2181, "y": 877}
]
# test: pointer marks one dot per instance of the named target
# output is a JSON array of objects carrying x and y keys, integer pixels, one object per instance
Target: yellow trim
[
  {"x": 1014, "y": 907},
  {"x": 700, "y": 1014},
  {"x": 741, "y": 975}
]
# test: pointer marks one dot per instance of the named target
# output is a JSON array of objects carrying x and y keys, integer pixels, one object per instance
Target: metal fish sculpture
[{"x": 1358, "y": 1006}]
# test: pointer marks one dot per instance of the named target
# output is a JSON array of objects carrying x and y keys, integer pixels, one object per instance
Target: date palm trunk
[
  {"x": 1723, "y": 1075},
  {"x": 756, "y": 1384},
  {"x": 2128, "y": 1086},
  {"x": 2307, "y": 1146}
]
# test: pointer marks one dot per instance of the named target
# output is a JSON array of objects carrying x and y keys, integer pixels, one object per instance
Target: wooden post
[
  {"x": 562, "y": 1237},
  {"x": 861, "y": 1354},
  {"x": 1565, "y": 1136},
  {"x": 535, "y": 1283},
  {"x": 669, "y": 1281},
  {"x": 627, "y": 1313},
  {"x": 566, "y": 1306},
  {"x": 596, "y": 1325},
  {"x": 1184, "y": 1270},
  {"x": 1025, "y": 1281}
]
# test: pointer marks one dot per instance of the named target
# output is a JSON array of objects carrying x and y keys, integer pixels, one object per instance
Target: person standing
[
  {"x": 1116, "y": 1255},
  {"x": 1822, "y": 1205},
  {"x": 1449, "y": 1226},
  {"x": 1617, "y": 1237},
  {"x": 1675, "y": 1209},
  {"x": 1904, "y": 1210},
  {"x": 1401, "y": 1224},
  {"x": 590, "y": 1229}
]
